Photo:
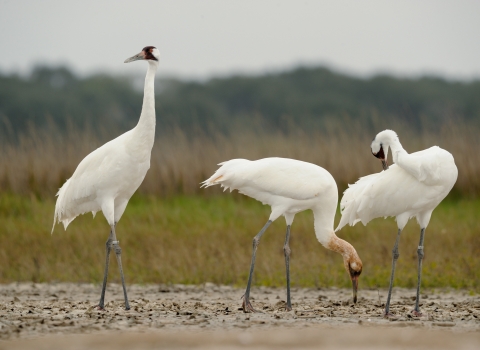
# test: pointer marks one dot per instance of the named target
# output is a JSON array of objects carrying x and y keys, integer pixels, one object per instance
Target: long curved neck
[
  {"x": 324, "y": 220},
  {"x": 144, "y": 131},
  {"x": 397, "y": 149}
]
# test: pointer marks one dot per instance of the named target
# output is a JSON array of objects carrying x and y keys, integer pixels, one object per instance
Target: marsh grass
[
  {"x": 195, "y": 239},
  {"x": 175, "y": 232},
  {"x": 39, "y": 161}
]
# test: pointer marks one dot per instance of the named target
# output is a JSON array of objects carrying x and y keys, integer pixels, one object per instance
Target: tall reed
[{"x": 39, "y": 161}]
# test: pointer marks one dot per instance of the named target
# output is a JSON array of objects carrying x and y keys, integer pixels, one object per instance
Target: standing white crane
[
  {"x": 107, "y": 178},
  {"x": 412, "y": 187},
  {"x": 289, "y": 186}
]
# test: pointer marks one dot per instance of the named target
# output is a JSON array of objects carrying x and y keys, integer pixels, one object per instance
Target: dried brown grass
[{"x": 39, "y": 162}]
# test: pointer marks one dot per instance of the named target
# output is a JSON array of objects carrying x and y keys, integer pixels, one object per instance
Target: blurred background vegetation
[
  {"x": 308, "y": 97},
  {"x": 175, "y": 232}
]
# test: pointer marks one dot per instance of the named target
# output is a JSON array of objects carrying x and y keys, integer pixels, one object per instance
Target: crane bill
[
  {"x": 384, "y": 164},
  {"x": 138, "y": 56},
  {"x": 355, "y": 288}
]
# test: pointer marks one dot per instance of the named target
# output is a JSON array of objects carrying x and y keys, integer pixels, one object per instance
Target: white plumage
[
  {"x": 107, "y": 178},
  {"x": 289, "y": 186},
  {"x": 412, "y": 187},
  {"x": 284, "y": 184}
]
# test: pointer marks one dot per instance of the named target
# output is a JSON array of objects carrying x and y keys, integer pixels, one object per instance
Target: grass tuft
[{"x": 196, "y": 239}]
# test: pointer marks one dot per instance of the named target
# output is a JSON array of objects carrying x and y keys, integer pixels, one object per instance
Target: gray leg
[
  {"x": 247, "y": 306},
  {"x": 108, "y": 247},
  {"x": 396, "y": 254},
  {"x": 287, "y": 251},
  {"x": 420, "y": 259},
  {"x": 118, "y": 253}
]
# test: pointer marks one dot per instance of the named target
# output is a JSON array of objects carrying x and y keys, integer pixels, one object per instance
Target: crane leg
[
  {"x": 420, "y": 254},
  {"x": 396, "y": 254},
  {"x": 247, "y": 306},
  {"x": 287, "y": 251},
  {"x": 118, "y": 253},
  {"x": 108, "y": 247}
]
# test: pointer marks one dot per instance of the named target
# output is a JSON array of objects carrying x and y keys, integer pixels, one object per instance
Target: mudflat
[{"x": 64, "y": 315}]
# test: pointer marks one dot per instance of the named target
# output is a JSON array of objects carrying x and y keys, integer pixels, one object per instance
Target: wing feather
[
  {"x": 78, "y": 193},
  {"x": 388, "y": 193},
  {"x": 428, "y": 165},
  {"x": 275, "y": 176}
]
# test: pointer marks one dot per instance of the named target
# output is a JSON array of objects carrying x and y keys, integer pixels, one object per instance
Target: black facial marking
[
  {"x": 148, "y": 53},
  {"x": 380, "y": 154}
]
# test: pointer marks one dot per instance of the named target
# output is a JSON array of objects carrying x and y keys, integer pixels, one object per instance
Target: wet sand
[{"x": 63, "y": 315}]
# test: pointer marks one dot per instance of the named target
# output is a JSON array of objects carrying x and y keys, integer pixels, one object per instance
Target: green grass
[{"x": 196, "y": 239}]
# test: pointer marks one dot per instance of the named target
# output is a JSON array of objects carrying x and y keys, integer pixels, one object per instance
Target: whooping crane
[
  {"x": 412, "y": 187},
  {"x": 289, "y": 186},
  {"x": 107, "y": 178}
]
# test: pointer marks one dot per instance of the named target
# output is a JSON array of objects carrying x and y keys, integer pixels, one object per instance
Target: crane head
[
  {"x": 377, "y": 151},
  {"x": 381, "y": 144},
  {"x": 353, "y": 265},
  {"x": 351, "y": 260},
  {"x": 149, "y": 53}
]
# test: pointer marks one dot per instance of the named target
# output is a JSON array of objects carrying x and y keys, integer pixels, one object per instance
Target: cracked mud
[{"x": 31, "y": 311}]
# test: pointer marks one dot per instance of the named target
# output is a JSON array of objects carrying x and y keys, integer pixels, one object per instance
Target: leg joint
[
  {"x": 116, "y": 246},
  {"x": 420, "y": 252},
  {"x": 287, "y": 250},
  {"x": 395, "y": 252}
]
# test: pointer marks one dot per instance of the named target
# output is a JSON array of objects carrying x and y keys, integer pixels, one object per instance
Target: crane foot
[
  {"x": 390, "y": 316},
  {"x": 247, "y": 306}
]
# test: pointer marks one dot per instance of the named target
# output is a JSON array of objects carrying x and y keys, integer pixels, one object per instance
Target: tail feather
[
  {"x": 211, "y": 181},
  {"x": 61, "y": 213},
  {"x": 353, "y": 202},
  {"x": 223, "y": 174}
]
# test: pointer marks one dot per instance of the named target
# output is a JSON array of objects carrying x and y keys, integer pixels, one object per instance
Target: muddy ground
[{"x": 63, "y": 315}]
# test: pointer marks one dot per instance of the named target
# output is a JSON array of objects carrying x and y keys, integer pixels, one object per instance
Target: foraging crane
[
  {"x": 289, "y": 186},
  {"x": 412, "y": 187},
  {"x": 107, "y": 178}
]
